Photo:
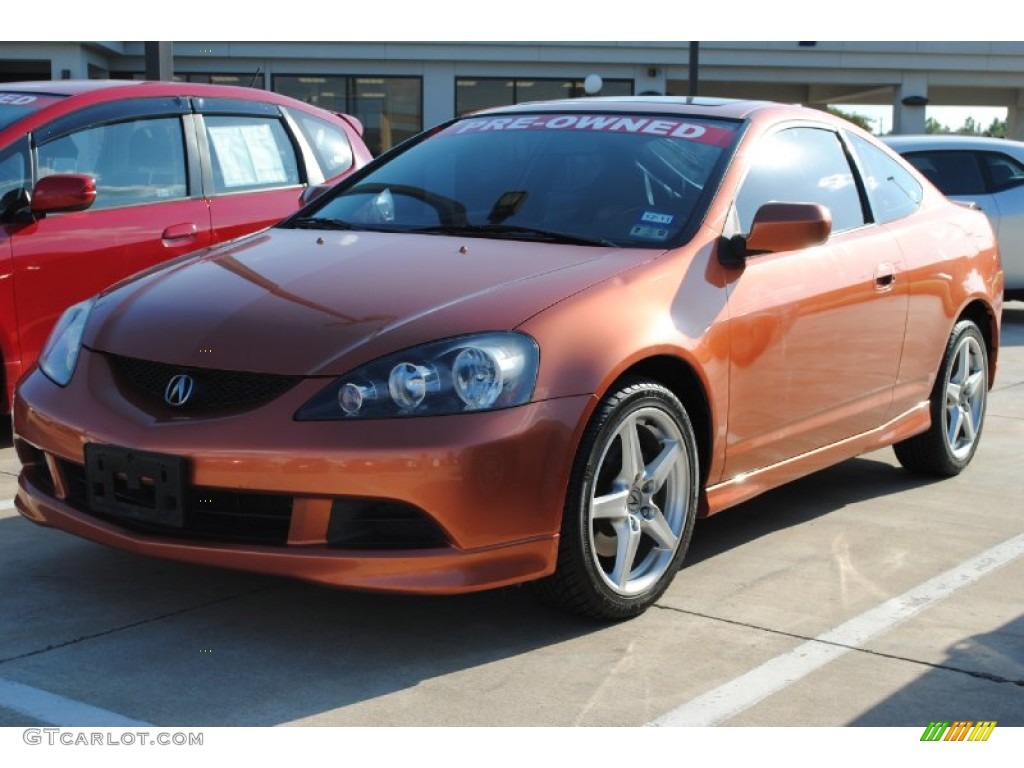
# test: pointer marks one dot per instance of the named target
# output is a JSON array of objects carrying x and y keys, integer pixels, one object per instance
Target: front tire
[
  {"x": 957, "y": 408},
  {"x": 631, "y": 505}
]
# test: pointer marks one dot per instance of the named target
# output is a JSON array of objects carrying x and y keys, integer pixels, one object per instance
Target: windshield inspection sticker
[
  {"x": 653, "y": 217},
  {"x": 652, "y": 226}
]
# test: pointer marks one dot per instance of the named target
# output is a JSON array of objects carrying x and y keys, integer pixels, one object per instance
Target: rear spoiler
[{"x": 356, "y": 124}]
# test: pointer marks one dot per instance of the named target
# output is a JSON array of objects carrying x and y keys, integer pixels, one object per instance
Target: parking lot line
[
  {"x": 57, "y": 710},
  {"x": 745, "y": 691}
]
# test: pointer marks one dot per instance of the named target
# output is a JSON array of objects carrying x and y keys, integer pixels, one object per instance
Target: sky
[{"x": 952, "y": 117}]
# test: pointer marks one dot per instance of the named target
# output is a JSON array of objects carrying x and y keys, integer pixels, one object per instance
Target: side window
[
  {"x": 14, "y": 170},
  {"x": 329, "y": 142},
  {"x": 137, "y": 161},
  {"x": 250, "y": 153},
  {"x": 1003, "y": 171},
  {"x": 953, "y": 172},
  {"x": 892, "y": 191},
  {"x": 801, "y": 165}
]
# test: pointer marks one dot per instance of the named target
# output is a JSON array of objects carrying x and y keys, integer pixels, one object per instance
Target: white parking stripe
[
  {"x": 745, "y": 691},
  {"x": 56, "y": 710}
]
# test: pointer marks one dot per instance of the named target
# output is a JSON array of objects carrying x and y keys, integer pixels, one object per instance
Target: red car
[
  {"x": 529, "y": 345},
  {"x": 100, "y": 179}
]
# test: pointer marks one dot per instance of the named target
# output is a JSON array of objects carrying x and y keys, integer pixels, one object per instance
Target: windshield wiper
[
  {"x": 315, "y": 222},
  {"x": 517, "y": 232}
]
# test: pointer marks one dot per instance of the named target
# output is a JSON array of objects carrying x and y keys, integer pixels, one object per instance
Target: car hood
[{"x": 304, "y": 302}]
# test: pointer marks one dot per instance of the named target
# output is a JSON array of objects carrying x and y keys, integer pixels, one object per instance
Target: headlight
[
  {"x": 61, "y": 351},
  {"x": 469, "y": 373}
]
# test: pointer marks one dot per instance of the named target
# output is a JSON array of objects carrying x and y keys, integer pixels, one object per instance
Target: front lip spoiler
[{"x": 446, "y": 570}]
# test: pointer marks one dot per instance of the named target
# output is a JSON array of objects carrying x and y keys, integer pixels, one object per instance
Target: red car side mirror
[{"x": 63, "y": 192}]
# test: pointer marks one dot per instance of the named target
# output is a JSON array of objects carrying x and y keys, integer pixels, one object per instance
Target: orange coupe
[{"x": 531, "y": 344}]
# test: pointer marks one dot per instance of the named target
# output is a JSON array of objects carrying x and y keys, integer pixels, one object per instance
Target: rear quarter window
[
  {"x": 892, "y": 191},
  {"x": 1004, "y": 172},
  {"x": 329, "y": 143}
]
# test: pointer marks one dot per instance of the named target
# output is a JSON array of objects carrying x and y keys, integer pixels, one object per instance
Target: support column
[
  {"x": 159, "y": 61},
  {"x": 1015, "y": 118},
  {"x": 69, "y": 63},
  {"x": 908, "y": 109},
  {"x": 438, "y": 92}
]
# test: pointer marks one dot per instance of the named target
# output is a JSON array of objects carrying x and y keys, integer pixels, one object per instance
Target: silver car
[{"x": 982, "y": 170}]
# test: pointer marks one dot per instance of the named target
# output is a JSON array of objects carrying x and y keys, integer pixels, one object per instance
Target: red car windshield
[
  {"x": 14, "y": 105},
  {"x": 592, "y": 179}
]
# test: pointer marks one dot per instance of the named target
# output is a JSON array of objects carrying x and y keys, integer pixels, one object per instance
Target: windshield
[
  {"x": 624, "y": 180},
  {"x": 14, "y": 106}
]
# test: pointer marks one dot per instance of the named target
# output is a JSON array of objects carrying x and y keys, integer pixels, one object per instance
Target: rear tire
[
  {"x": 957, "y": 408},
  {"x": 630, "y": 508}
]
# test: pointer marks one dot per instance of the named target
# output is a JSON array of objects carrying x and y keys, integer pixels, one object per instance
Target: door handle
[
  {"x": 885, "y": 276},
  {"x": 184, "y": 231}
]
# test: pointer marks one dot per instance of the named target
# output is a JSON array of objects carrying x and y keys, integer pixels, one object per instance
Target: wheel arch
[
  {"x": 984, "y": 316},
  {"x": 682, "y": 380}
]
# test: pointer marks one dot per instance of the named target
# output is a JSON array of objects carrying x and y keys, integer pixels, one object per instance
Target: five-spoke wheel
[
  {"x": 957, "y": 408},
  {"x": 631, "y": 505}
]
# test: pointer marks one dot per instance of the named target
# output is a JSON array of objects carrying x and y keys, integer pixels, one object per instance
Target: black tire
[
  {"x": 957, "y": 408},
  {"x": 622, "y": 542}
]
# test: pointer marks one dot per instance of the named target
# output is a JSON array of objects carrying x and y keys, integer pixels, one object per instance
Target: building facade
[{"x": 399, "y": 88}]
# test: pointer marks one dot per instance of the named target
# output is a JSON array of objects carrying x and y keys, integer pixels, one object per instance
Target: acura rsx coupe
[{"x": 530, "y": 345}]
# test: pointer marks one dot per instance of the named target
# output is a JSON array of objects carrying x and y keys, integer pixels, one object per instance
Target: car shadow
[
  {"x": 168, "y": 642},
  {"x": 981, "y": 671},
  {"x": 799, "y": 502},
  {"x": 1013, "y": 324}
]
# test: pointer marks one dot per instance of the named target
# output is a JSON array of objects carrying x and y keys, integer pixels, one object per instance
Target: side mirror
[
  {"x": 779, "y": 227},
  {"x": 63, "y": 193},
  {"x": 312, "y": 192}
]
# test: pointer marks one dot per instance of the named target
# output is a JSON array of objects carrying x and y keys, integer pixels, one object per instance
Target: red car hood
[{"x": 304, "y": 302}]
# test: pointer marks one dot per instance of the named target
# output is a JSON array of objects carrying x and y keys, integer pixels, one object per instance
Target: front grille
[
  {"x": 216, "y": 514},
  {"x": 215, "y": 390}
]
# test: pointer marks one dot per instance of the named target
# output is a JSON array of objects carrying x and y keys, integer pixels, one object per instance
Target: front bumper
[{"x": 492, "y": 485}]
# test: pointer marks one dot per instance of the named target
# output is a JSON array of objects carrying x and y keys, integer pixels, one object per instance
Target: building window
[
  {"x": 390, "y": 108},
  {"x": 482, "y": 92},
  {"x": 253, "y": 80}
]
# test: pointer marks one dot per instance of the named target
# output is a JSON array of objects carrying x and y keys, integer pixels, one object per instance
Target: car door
[
  {"x": 815, "y": 334},
  {"x": 15, "y": 169},
  {"x": 254, "y": 166},
  {"x": 1004, "y": 176},
  {"x": 148, "y": 209}
]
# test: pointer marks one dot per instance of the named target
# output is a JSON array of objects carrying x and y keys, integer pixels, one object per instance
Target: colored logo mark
[{"x": 961, "y": 730}]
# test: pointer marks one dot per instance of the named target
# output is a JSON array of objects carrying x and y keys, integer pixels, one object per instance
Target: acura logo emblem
[{"x": 179, "y": 390}]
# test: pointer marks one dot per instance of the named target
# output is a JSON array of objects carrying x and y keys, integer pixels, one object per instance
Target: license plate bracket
[{"x": 136, "y": 485}]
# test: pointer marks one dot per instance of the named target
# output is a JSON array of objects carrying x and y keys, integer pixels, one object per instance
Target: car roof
[
  {"x": 119, "y": 88},
  {"x": 910, "y": 143},
  {"x": 65, "y": 87},
  {"x": 736, "y": 109}
]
